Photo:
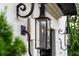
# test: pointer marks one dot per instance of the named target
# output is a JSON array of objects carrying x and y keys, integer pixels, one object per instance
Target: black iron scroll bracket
[{"x": 23, "y": 9}]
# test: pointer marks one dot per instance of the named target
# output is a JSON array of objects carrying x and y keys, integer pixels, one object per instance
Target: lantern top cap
[{"x": 42, "y": 18}]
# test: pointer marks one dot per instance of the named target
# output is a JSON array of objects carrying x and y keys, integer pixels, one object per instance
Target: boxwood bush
[{"x": 9, "y": 46}]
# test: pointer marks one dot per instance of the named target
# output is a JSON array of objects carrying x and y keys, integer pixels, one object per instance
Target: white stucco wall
[{"x": 17, "y": 22}]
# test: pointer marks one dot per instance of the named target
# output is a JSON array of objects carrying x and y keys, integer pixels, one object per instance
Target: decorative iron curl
[
  {"x": 23, "y": 9},
  {"x": 61, "y": 45}
]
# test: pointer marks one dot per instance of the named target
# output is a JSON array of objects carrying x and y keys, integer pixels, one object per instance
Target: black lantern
[{"x": 42, "y": 33}]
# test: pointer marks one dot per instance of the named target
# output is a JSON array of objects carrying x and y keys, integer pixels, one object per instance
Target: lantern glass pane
[
  {"x": 40, "y": 34},
  {"x": 43, "y": 35},
  {"x": 66, "y": 39}
]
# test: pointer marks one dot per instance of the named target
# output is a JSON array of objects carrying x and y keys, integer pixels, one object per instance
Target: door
[{"x": 51, "y": 51}]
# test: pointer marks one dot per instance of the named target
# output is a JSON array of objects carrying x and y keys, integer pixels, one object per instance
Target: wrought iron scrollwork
[{"x": 23, "y": 9}]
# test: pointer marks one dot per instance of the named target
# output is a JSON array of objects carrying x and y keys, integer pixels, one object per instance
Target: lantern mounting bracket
[{"x": 23, "y": 32}]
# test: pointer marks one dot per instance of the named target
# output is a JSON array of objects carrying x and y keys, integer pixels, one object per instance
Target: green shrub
[
  {"x": 8, "y": 45},
  {"x": 73, "y": 50}
]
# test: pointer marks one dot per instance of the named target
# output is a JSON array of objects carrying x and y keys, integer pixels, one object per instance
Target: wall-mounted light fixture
[
  {"x": 42, "y": 30},
  {"x": 66, "y": 36},
  {"x": 66, "y": 33},
  {"x": 42, "y": 33}
]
